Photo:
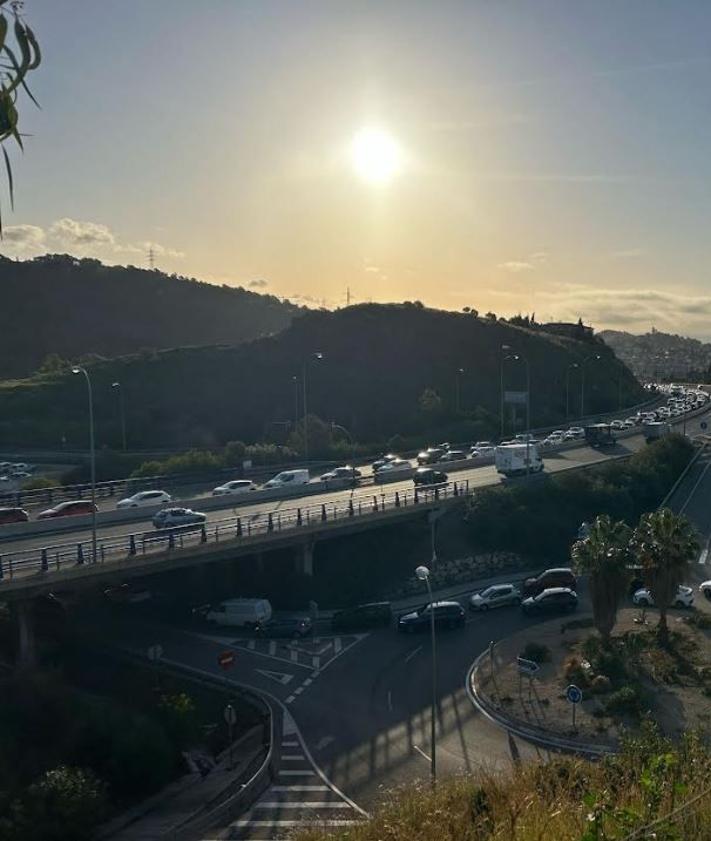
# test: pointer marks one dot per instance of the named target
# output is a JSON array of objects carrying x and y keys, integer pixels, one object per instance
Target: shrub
[
  {"x": 625, "y": 701},
  {"x": 537, "y": 652},
  {"x": 574, "y": 671},
  {"x": 601, "y": 684},
  {"x": 36, "y": 483},
  {"x": 699, "y": 620}
]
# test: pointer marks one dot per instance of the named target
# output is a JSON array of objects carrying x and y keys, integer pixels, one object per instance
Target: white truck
[
  {"x": 655, "y": 430},
  {"x": 518, "y": 459},
  {"x": 241, "y": 613}
]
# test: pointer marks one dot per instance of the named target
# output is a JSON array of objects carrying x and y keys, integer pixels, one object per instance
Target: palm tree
[
  {"x": 604, "y": 557},
  {"x": 664, "y": 544}
]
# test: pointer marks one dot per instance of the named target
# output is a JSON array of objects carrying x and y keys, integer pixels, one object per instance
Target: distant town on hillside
[{"x": 660, "y": 356}]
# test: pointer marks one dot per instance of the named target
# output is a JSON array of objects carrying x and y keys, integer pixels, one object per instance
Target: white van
[
  {"x": 518, "y": 459},
  {"x": 242, "y": 613},
  {"x": 287, "y": 478}
]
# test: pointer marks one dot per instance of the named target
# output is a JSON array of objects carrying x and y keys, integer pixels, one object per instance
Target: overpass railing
[{"x": 114, "y": 550}]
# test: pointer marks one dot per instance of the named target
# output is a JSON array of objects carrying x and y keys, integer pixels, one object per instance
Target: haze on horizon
[{"x": 521, "y": 156}]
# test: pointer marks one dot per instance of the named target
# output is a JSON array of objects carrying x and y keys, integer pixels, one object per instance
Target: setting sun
[{"x": 376, "y": 155}]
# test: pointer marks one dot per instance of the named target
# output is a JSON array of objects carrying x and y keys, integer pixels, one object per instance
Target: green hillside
[
  {"x": 386, "y": 370},
  {"x": 57, "y": 304}
]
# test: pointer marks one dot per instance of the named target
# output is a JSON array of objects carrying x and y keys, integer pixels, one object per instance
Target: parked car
[
  {"x": 362, "y": 616},
  {"x": 551, "y": 600},
  {"x": 555, "y": 577},
  {"x": 244, "y": 613},
  {"x": 236, "y": 486},
  {"x": 497, "y": 595},
  {"x": 684, "y": 597},
  {"x": 288, "y": 478},
  {"x": 346, "y": 472},
  {"x": 446, "y": 615},
  {"x": 145, "y": 498},
  {"x": 429, "y": 476},
  {"x": 173, "y": 517},
  {"x": 294, "y": 627},
  {"x": 71, "y": 508},
  {"x": 13, "y": 515}
]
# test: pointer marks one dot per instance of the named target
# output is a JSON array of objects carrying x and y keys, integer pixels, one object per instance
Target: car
[
  {"x": 346, "y": 472},
  {"x": 446, "y": 615},
  {"x": 294, "y": 627},
  {"x": 145, "y": 498},
  {"x": 236, "y": 486},
  {"x": 429, "y": 476},
  {"x": 483, "y": 444},
  {"x": 71, "y": 508},
  {"x": 555, "y": 577},
  {"x": 20, "y": 474},
  {"x": 386, "y": 459},
  {"x": 482, "y": 451},
  {"x": 362, "y": 616},
  {"x": 497, "y": 595},
  {"x": 453, "y": 455},
  {"x": 551, "y": 600},
  {"x": 628, "y": 424},
  {"x": 13, "y": 515},
  {"x": 577, "y": 431},
  {"x": 430, "y": 455},
  {"x": 684, "y": 597},
  {"x": 617, "y": 424},
  {"x": 392, "y": 469},
  {"x": 705, "y": 588},
  {"x": 172, "y": 517}
]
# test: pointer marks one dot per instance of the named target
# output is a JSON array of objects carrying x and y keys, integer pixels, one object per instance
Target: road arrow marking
[{"x": 280, "y": 677}]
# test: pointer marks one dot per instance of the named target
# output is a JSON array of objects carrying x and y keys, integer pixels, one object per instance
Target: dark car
[
  {"x": 293, "y": 627},
  {"x": 362, "y": 616},
  {"x": 73, "y": 508},
  {"x": 184, "y": 517},
  {"x": 430, "y": 455},
  {"x": 446, "y": 614},
  {"x": 429, "y": 476},
  {"x": 557, "y": 577},
  {"x": 13, "y": 515},
  {"x": 552, "y": 600}
]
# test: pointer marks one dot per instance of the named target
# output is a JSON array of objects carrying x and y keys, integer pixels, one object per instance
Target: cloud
[
  {"x": 516, "y": 266},
  {"x": 73, "y": 233},
  {"x": 30, "y": 237},
  {"x": 372, "y": 269},
  {"x": 257, "y": 284}
]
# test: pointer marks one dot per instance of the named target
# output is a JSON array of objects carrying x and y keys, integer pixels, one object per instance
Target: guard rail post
[
  {"x": 323, "y": 513},
  {"x": 131, "y": 545},
  {"x": 80, "y": 554},
  {"x": 44, "y": 565}
]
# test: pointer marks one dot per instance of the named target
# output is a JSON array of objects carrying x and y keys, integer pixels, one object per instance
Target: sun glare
[{"x": 375, "y": 155}]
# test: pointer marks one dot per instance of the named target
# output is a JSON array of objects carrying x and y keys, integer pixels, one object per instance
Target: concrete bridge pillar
[
  {"x": 304, "y": 558},
  {"x": 23, "y": 614}
]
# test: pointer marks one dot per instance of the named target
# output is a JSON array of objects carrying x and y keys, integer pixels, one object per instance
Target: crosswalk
[{"x": 300, "y": 796}]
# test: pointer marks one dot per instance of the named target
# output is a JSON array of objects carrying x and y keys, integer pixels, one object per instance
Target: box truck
[{"x": 517, "y": 459}]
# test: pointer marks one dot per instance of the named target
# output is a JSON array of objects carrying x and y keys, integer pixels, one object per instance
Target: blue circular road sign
[{"x": 574, "y": 694}]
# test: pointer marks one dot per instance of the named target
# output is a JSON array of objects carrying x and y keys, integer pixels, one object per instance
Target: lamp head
[
  {"x": 76, "y": 369},
  {"x": 422, "y": 573},
  {"x": 115, "y": 385}
]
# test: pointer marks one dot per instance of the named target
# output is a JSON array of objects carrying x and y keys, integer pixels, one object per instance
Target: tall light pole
[
  {"x": 78, "y": 369},
  {"x": 423, "y": 573},
  {"x": 458, "y": 390},
  {"x": 582, "y": 380},
  {"x": 295, "y": 380},
  {"x": 316, "y": 355},
  {"x": 503, "y": 351},
  {"x": 122, "y": 411},
  {"x": 519, "y": 357},
  {"x": 567, "y": 388}
]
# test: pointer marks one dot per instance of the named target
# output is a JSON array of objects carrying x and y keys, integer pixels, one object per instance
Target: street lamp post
[
  {"x": 78, "y": 369},
  {"x": 504, "y": 349},
  {"x": 306, "y": 420},
  {"x": 423, "y": 573},
  {"x": 295, "y": 380},
  {"x": 458, "y": 390},
  {"x": 122, "y": 412},
  {"x": 582, "y": 380},
  {"x": 567, "y": 388}
]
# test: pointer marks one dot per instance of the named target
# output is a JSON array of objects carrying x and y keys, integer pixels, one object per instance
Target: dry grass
[{"x": 564, "y": 800}]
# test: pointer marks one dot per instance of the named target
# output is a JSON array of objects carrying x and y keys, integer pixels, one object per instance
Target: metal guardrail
[{"x": 37, "y": 562}]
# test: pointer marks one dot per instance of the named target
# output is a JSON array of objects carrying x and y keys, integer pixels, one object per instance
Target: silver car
[{"x": 498, "y": 595}]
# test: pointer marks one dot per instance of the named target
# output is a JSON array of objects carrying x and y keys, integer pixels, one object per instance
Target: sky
[{"x": 547, "y": 155}]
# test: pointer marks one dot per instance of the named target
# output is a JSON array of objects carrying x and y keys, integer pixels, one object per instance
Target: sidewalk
[{"x": 177, "y": 803}]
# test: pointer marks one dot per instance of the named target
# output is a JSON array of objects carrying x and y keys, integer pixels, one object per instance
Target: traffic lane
[
  {"x": 370, "y": 714},
  {"x": 476, "y": 476},
  {"x": 693, "y": 499}
]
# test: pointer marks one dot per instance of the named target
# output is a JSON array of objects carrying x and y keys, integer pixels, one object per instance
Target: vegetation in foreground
[{"x": 652, "y": 789}]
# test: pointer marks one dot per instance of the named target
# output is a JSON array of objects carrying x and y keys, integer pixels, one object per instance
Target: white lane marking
[
  {"x": 272, "y": 648},
  {"x": 422, "y": 753},
  {"x": 294, "y": 655},
  {"x": 287, "y": 744},
  {"x": 308, "y": 804},
  {"x": 324, "y": 742},
  {"x": 412, "y": 654},
  {"x": 252, "y": 644},
  {"x": 316, "y": 663},
  {"x": 289, "y": 699},
  {"x": 307, "y": 682},
  {"x": 390, "y": 700},
  {"x": 298, "y": 690},
  {"x": 693, "y": 490},
  {"x": 280, "y": 677},
  {"x": 300, "y": 788},
  {"x": 315, "y": 674},
  {"x": 287, "y": 773},
  {"x": 293, "y": 757},
  {"x": 337, "y": 645}
]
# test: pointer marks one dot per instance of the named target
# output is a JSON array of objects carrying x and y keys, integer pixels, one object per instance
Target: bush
[
  {"x": 601, "y": 684},
  {"x": 536, "y": 652},
  {"x": 624, "y": 701},
  {"x": 36, "y": 483},
  {"x": 574, "y": 671}
]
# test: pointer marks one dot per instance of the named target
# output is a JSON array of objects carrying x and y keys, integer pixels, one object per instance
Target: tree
[
  {"x": 430, "y": 401},
  {"x": 491, "y": 316},
  {"x": 664, "y": 544},
  {"x": 64, "y": 805},
  {"x": 604, "y": 557}
]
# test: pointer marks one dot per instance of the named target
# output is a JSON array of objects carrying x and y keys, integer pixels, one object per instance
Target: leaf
[
  {"x": 21, "y": 38},
  {"x": 3, "y": 30},
  {"x": 35, "y": 63},
  {"x": 20, "y": 71},
  {"x": 10, "y": 182}
]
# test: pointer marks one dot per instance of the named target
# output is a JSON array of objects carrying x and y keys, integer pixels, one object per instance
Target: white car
[
  {"x": 390, "y": 471},
  {"x": 629, "y": 424},
  {"x": 577, "y": 432},
  {"x": 482, "y": 451},
  {"x": 497, "y": 595},
  {"x": 684, "y": 597},
  {"x": 453, "y": 455},
  {"x": 705, "y": 588},
  {"x": 143, "y": 498},
  {"x": 236, "y": 486},
  {"x": 617, "y": 424}
]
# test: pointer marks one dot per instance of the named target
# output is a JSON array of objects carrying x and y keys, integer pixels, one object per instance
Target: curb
[{"x": 530, "y": 734}]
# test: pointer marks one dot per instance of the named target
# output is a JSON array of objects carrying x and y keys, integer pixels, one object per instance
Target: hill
[
  {"x": 656, "y": 356},
  {"x": 386, "y": 370},
  {"x": 57, "y": 304}
]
